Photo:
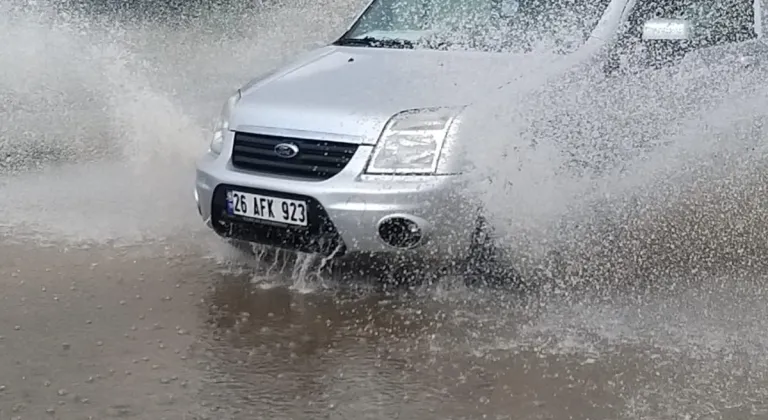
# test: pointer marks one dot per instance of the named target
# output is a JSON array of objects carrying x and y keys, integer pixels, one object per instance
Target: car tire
[{"x": 487, "y": 263}]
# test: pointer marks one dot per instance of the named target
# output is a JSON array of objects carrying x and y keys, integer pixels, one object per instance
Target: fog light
[{"x": 400, "y": 232}]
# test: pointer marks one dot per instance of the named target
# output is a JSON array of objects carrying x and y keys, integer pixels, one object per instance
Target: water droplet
[
  {"x": 17, "y": 327},
  {"x": 120, "y": 410},
  {"x": 122, "y": 302},
  {"x": 99, "y": 343},
  {"x": 62, "y": 392}
]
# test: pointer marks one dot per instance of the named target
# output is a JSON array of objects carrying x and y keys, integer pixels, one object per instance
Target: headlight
[
  {"x": 411, "y": 142},
  {"x": 222, "y": 124}
]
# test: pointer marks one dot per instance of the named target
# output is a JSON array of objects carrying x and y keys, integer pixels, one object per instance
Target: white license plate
[{"x": 263, "y": 207}]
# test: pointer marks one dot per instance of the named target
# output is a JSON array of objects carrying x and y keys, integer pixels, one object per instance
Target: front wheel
[{"x": 487, "y": 263}]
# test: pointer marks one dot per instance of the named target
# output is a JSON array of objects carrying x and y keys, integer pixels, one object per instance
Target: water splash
[
  {"x": 104, "y": 115},
  {"x": 649, "y": 176},
  {"x": 302, "y": 280}
]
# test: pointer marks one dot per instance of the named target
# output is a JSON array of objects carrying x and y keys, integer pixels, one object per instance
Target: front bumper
[{"x": 345, "y": 211}]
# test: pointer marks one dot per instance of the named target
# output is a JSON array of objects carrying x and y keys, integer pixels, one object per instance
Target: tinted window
[{"x": 714, "y": 21}]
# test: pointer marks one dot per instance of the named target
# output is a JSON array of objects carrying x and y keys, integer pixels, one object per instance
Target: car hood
[{"x": 348, "y": 93}]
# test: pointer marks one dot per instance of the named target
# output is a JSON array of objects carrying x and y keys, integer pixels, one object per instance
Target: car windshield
[{"x": 490, "y": 25}]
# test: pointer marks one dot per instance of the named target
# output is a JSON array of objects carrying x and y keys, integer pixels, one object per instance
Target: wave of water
[
  {"x": 103, "y": 114},
  {"x": 657, "y": 175}
]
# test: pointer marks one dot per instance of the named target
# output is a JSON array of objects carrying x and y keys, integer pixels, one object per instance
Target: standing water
[{"x": 101, "y": 122}]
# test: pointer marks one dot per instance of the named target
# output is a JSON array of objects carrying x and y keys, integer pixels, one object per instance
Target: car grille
[{"x": 316, "y": 159}]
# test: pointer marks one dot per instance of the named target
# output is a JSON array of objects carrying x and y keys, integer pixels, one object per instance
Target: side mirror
[{"x": 667, "y": 29}]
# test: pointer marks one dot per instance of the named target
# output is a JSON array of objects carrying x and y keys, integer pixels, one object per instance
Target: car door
[{"x": 655, "y": 90}]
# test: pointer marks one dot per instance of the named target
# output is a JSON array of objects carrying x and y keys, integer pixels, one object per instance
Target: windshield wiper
[{"x": 369, "y": 41}]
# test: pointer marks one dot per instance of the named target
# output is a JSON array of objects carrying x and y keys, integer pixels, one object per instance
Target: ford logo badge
[{"x": 286, "y": 150}]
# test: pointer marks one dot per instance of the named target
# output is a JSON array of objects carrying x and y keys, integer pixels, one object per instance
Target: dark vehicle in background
[{"x": 167, "y": 12}]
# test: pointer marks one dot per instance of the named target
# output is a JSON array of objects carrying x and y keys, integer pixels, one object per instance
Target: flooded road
[
  {"x": 118, "y": 303},
  {"x": 168, "y": 330}
]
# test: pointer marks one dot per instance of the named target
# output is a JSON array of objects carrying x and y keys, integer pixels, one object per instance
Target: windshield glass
[{"x": 492, "y": 25}]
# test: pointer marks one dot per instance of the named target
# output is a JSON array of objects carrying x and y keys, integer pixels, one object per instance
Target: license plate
[{"x": 263, "y": 207}]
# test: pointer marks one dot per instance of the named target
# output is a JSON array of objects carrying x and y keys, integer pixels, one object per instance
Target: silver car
[{"x": 358, "y": 147}]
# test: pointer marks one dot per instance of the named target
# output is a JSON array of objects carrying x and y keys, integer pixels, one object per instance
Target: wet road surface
[
  {"x": 167, "y": 330},
  {"x": 117, "y": 303}
]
